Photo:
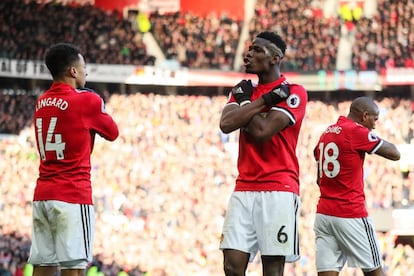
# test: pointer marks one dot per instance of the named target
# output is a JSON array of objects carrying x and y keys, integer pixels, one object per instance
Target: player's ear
[
  {"x": 365, "y": 115},
  {"x": 73, "y": 71},
  {"x": 276, "y": 59}
]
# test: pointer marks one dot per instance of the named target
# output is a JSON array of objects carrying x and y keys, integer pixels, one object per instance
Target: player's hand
[
  {"x": 242, "y": 92},
  {"x": 276, "y": 95}
]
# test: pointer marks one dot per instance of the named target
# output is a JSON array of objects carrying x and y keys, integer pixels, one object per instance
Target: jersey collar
[{"x": 270, "y": 85}]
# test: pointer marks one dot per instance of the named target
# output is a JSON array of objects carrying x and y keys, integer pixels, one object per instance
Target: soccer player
[
  {"x": 66, "y": 120},
  {"x": 343, "y": 230},
  {"x": 263, "y": 208}
]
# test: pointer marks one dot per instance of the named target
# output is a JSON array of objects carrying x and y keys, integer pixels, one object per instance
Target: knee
[
  {"x": 235, "y": 262},
  {"x": 231, "y": 269}
]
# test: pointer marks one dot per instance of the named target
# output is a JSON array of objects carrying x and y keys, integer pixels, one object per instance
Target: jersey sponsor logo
[
  {"x": 293, "y": 101},
  {"x": 372, "y": 137}
]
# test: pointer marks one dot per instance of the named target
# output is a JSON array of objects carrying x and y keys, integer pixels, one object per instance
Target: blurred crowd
[
  {"x": 161, "y": 189},
  {"x": 312, "y": 38},
  {"x": 195, "y": 42},
  {"x": 16, "y": 108},
  {"x": 27, "y": 29},
  {"x": 387, "y": 39},
  {"x": 384, "y": 40}
]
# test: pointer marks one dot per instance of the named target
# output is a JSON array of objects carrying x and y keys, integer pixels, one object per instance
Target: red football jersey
[
  {"x": 273, "y": 165},
  {"x": 66, "y": 121},
  {"x": 340, "y": 155}
]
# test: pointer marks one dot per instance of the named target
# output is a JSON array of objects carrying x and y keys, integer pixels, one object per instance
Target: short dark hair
[
  {"x": 275, "y": 39},
  {"x": 59, "y": 57}
]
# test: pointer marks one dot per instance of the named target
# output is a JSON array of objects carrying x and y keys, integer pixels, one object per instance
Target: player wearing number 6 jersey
[
  {"x": 262, "y": 213},
  {"x": 66, "y": 120},
  {"x": 343, "y": 230}
]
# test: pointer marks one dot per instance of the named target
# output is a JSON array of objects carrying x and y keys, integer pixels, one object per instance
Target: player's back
[
  {"x": 340, "y": 165},
  {"x": 64, "y": 142}
]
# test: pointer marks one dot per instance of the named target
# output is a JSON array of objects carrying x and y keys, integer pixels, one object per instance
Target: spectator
[
  {"x": 163, "y": 155},
  {"x": 26, "y": 32}
]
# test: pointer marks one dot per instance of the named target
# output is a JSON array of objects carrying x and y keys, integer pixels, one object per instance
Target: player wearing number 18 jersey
[
  {"x": 343, "y": 230},
  {"x": 66, "y": 120}
]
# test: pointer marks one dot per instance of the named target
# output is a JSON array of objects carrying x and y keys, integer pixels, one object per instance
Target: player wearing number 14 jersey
[
  {"x": 66, "y": 120},
  {"x": 343, "y": 230}
]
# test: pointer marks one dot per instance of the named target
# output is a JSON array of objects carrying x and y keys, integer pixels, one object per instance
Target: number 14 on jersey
[{"x": 57, "y": 146}]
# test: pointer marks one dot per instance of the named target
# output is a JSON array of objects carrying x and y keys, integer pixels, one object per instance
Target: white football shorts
[
  {"x": 262, "y": 221},
  {"x": 339, "y": 240},
  {"x": 62, "y": 234}
]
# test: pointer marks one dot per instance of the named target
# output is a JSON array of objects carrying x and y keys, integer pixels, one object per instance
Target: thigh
[
  {"x": 329, "y": 256},
  {"x": 359, "y": 241},
  {"x": 238, "y": 231},
  {"x": 276, "y": 224},
  {"x": 76, "y": 226},
  {"x": 42, "y": 250}
]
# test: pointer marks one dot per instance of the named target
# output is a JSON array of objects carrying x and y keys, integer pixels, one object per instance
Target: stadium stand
[
  {"x": 170, "y": 149},
  {"x": 28, "y": 29},
  {"x": 386, "y": 39},
  {"x": 197, "y": 42},
  {"x": 311, "y": 37}
]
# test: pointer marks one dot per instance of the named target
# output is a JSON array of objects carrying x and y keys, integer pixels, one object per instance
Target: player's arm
[
  {"x": 263, "y": 126},
  {"x": 235, "y": 116},
  {"x": 98, "y": 120},
  {"x": 317, "y": 175},
  {"x": 240, "y": 113},
  {"x": 388, "y": 150},
  {"x": 239, "y": 109},
  {"x": 316, "y": 156}
]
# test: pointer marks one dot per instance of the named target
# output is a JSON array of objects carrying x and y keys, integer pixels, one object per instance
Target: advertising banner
[
  {"x": 30, "y": 69},
  {"x": 399, "y": 76},
  {"x": 164, "y": 76}
]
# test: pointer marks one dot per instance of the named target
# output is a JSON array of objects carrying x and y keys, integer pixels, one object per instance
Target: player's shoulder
[
  {"x": 297, "y": 88},
  {"x": 88, "y": 92},
  {"x": 360, "y": 131},
  {"x": 352, "y": 129},
  {"x": 298, "y": 96},
  {"x": 85, "y": 90}
]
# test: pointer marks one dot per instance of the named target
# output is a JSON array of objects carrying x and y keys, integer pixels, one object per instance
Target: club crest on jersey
[
  {"x": 372, "y": 137},
  {"x": 293, "y": 101}
]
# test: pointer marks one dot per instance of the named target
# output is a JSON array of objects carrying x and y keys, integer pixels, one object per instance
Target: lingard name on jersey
[{"x": 56, "y": 102}]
